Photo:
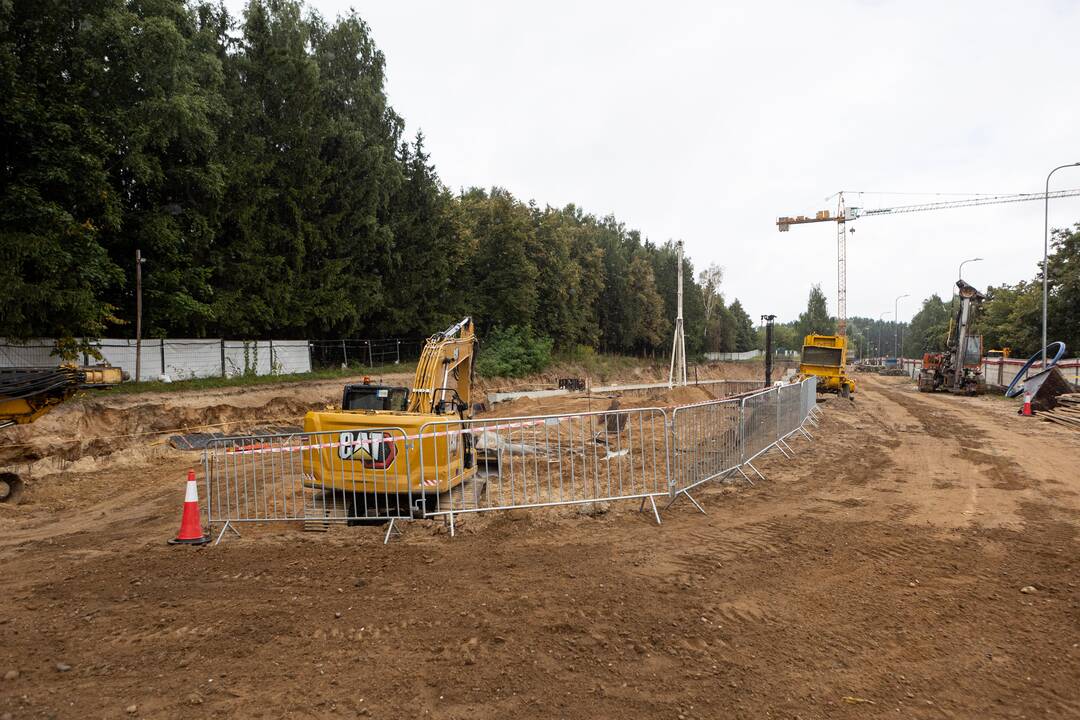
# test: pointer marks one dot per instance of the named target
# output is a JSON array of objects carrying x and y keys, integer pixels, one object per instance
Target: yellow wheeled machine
[
  {"x": 825, "y": 357},
  {"x": 377, "y": 451}
]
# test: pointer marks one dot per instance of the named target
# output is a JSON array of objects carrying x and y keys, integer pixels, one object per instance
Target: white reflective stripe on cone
[{"x": 192, "y": 494}]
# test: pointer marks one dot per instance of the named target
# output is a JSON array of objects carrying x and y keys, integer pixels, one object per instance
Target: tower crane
[{"x": 844, "y": 214}]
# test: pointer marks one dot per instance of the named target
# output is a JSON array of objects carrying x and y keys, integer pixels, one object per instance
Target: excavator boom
[{"x": 445, "y": 371}]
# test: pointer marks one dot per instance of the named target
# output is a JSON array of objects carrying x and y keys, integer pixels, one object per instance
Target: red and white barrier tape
[{"x": 253, "y": 449}]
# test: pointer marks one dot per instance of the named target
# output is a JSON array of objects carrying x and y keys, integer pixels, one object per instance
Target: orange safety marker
[
  {"x": 1027, "y": 404},
  {"x": 191, "y": 532}
]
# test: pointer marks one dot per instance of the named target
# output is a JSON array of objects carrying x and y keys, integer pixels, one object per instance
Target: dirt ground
[{"x": 917, "y": 560}]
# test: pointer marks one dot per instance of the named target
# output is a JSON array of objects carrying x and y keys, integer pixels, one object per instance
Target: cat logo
[{"x": 376, "y": 450}]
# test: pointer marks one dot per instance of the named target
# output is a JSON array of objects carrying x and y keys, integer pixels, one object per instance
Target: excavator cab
[{"x": 367, "y": 397}]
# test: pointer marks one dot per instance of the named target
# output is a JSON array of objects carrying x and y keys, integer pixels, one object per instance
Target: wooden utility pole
[{"x": 138, "y": 315}]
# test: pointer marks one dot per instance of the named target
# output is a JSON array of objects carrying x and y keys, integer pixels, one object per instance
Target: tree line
[{"x": 258, "y": 165}]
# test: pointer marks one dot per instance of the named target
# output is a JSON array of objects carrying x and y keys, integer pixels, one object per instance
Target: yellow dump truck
[{"x": 825, "y": 357}]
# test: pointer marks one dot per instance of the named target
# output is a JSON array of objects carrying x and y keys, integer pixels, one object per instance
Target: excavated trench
[{"x": 97, "y": 433}]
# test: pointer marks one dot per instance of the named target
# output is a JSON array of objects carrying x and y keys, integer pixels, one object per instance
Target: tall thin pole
[
  {"x": 896, "y": 323},
  {"x": 768, "y": 320},
  {"x": 677, "y": 372},
  {"x": 1046, "y": 252},
  {"x": 841, "y": 267},
  {"x": 880, "y": 333},
  {"x": 138, "y": 315}
]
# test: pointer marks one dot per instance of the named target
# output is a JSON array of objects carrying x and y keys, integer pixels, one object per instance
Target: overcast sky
[{"x": 705, "y": 121}]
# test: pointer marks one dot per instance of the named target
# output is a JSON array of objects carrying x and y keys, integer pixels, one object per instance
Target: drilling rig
[{"x": 959, "y": 368}]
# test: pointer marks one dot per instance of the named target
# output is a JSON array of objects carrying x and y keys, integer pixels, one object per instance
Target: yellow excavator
[
  {"x": 376, "y": 450},
  {"x": 28, "y": 393}
]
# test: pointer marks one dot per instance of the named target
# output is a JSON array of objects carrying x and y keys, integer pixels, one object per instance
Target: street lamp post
[
  {"x": 960, "y": 272},
  {"x": 880, "y": 330},
  {"x": 1046, "y": 251},
  {"x": 896, "y": 327}
]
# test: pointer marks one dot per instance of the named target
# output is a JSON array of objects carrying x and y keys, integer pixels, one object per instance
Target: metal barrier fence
[
  {"x": 706, "y": 443},
  {"x": 760, "y": 423},
  {"x": 453, "y": 467},
  {"x": 716, "y": 439},
  {"x": 317, "y": 478},
  {"x": 540, "y": 461}
]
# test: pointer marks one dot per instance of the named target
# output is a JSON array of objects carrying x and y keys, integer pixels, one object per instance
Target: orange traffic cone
[
  {"x": 191, "y": 523},
  {"x": 1027, "y": 404}
]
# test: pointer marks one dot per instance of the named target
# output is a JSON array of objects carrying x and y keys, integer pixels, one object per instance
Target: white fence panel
[
  {"x": 121, "y": 354},
  {"x": 179, "y": 359},
  {"x": 186, "y": 359},
  {"x": 292, "y": 356},
  {"x": 35, "y": 353}
]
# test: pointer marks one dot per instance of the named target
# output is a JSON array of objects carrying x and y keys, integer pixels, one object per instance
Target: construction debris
[{"x": 1066, "y": 413}]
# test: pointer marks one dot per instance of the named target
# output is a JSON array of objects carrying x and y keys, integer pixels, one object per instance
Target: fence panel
[
  {"x": 809, "y": 395},
  {"x": 364, "y": 353},
  {"x": 729, "y": 388},
  {"x": 705, "y": 442},
  {"x": 759, "y": 423},
  {"x": 523, "y": 462},
  {"x": 789, "y": 401},
  {"x": 326, "y": 477}
]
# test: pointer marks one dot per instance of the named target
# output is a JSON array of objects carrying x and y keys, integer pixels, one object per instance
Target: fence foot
[
  {"x": 390, "y": 530},
  {"x": 758, "y": 472},
  {"x": 691, "y": 499},
  {"x": 676, "y": 497},
  {"x": 784, "y": 444},
  {"x": 805, "y": 434},
  {"x": 745, "y": 477},
  {"x": 450, "y": 516},
  {"x": 656, "y": 513},
  {"x": 226, "y": 526},
  {"x": 779, "y": 446}
]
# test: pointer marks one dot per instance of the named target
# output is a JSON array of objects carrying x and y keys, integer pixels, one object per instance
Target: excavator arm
[{"x": 444, "y": 374}]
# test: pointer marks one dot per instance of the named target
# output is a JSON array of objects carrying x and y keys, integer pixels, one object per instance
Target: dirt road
[{"x": 878, "y": 574}]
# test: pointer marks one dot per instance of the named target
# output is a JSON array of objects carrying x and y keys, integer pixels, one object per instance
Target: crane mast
[{"x": 841, "y": 267}]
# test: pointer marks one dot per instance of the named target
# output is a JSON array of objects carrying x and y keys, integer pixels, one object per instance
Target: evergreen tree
[
  {"x": 816, "y": 319},
  {"x": 647, "y": 324},
  {"x": 504, "y": 273},
  {"x": 57, "y": 199},
  {"x": 745, "y": 335}
]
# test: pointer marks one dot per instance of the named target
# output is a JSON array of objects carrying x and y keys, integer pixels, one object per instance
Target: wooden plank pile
[{"x": 1066, "y": 413}]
